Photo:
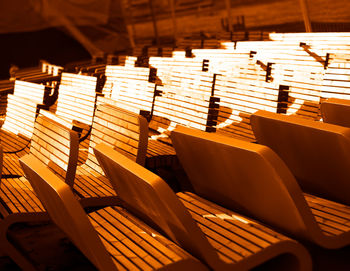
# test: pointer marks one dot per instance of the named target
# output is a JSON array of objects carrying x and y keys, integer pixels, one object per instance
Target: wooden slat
[
  {"x": 18, "y": 196},
  {"x": 333, "y": 218},
  {"x": 30, "y": 91},
  {"x": 20, "y": 116},
  {"x": 117, "y": 128},
  {"x": 90, "y": 183},
  {"x": 51, "y": 144}
]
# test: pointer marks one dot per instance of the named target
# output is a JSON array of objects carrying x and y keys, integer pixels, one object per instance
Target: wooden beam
[
  {"x": 305, "y": 12},
  {"x": 154, "y": 20}
]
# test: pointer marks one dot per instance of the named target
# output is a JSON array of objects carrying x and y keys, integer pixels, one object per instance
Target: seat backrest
[
  {"x": 336, "y": 81},
  {"x": 20, "y": 116},
  {"x": 76, "y": 97},
  {"x": 130, "y": 86},
  {"x": 242, "y": 176},
  {"x": 55, "y": 145},
  {"x": 336, "y": 111},
  {"x": 317, "y": 153},
  {"x": 120, "y": 129},
  {"x": 147, "y": 196},
  {"x": 185, "y": 98},
  {"x": 240, "y": 96},
  {"x": 30, "y": 91},
  {"x": 66, "y": 212}
]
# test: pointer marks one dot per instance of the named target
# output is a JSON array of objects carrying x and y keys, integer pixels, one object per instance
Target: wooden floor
[{"x": 49, "y": 247}]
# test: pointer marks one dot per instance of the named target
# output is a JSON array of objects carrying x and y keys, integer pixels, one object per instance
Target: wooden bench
[
  {"x": 21, "y": 111},
  {"x": 19, "y": 123},
  {"x": 44, "y": 95},
  {"x": 159, "y": 154},
  {"x": 55, "y": 146},
  {"x": 6, "y": 87},
  {"x": 30, "y": 91},
  {"x": 45, "y": 73},
  {"x": 251, "y": 179},
  {"x": 242, "y": 92},
  {"x": 186, "y": 98},
  {"x": 95, "y": 68},
  {"x": 123, "y": 130},
  {"x": 75, "y": 66},
  {"x": 11, "y": 167},
  {"x": 197, "y": 60},
  {"x": 40, "y": 143},
  {"x": 10, "y": 164},
  {"x": 238, "y": 85},
  {"x": 315, "y": 152},
  {"x": 179, "y": 60},
  {"x": 130, "y": 86},
  {"x": 222, "y": 239},
  {"x": 122, "y": 60},
  {"x": 76, "y": 98},
  {"x": 76, "y": 103},
  {"x": 49, "y": 68},
  {"x": 304, "y": 88},
  {"x": 222, "y": 60},
  {"x": 336, "y": 111},
  {"x": 331, "y": 42},
  {"x": 289, "y": 53},
  {"x": 229, "y": 113},
  {"x": 111, "y": 238},
  {"x": 298, "y": 66},
  {"x": 44, "y": 67},
  {"x": 336, "y": 80},
  {"x": 25, "y": 72}
]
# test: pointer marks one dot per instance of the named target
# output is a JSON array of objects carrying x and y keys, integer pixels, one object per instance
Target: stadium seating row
[{"x": 300, "y": 192}]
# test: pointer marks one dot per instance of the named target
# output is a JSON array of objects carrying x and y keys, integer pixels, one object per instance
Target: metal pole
[
  {"x": 128, "y": 20},
  {"x": 229, "y": 17},
  {"x": 304, "y": 10},
  {"x": 150, "y": 3},
  {"x": 173, "y": 16}
]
